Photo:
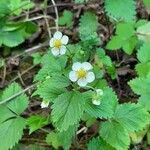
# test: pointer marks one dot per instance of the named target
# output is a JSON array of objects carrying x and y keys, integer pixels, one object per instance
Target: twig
[
  {"x": 16, "y": 95},
  {"x": 24, "y": 72},
  {"x": 81, "y": 130},
  {"x": 39, "y": 17},
  {"x": 56, "y": 12},
  {"x": 21, "y": 80},
  {"x": 32, "y": 49},
  {"x": 46, "y": 21},
  {"x": 4, "y": 74}
]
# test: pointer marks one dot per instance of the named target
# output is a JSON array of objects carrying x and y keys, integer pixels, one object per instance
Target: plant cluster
[{"x": 72, "y": 79}]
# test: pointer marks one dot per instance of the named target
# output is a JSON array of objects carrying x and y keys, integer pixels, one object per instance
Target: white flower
[
  {"x": 96, "y": 100},
  {"x": 57, "y": 43},
  {"x": 82, "y": 74},
  {"x": 44, "y": 104}
]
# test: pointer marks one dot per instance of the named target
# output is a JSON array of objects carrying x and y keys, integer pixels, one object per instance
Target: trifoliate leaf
[
  {"x": 144, "y": 53},
  {"x": 115, "y": 134},
  {"x": 107, "y": 106},
  {"x": 115, "y": 9},
  {"x": 125, "y": 38},
  {"x": 132, "y": 116},
  {"x": 11, "y": 132},
  {"x": 66, "y": 19},
  {"x": 36, "y": 122},
  {"x": 17, "y": 104},
  {"x": 143, "y": 32},
  {"x": 67, "y": 110}
]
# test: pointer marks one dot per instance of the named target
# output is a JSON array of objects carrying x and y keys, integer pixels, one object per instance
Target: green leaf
[
  {"x": 4, "y": 8},
  {"x": 86, "y": 33},
  {"x": 129, "y": 45},
  {"x": 67, "y": 110},
  {"x": 36, "y": 122},
  {"x": 102, "y": 57},
  {"x": 11, "y": 132},
  {"x": 81, "y": 1},
  {"x": 132, "y": 116},
  {"x": 135, "y": 85},
  {"x": 143, "y": 32},
  {"x": 146, "y": 3},
  {"x": 13, "y": 34},
  {"x": 143, "y": 69},
  {"x": 107, "y": 106},
  {"x": 36, "y": 58},
  {"x": 115, "y": 9},
  {"x": 99, "y": 143},
  {"x": 63, "y": 139},
  {"x": 94, "y": 144},
  {"x": 115, "y": 134},
  {"x": 125, "y": 38},
  {"x": 17, "y": 6},
  {"x": 52, "y": 87},
  {"x": 144, "y": 53},
  {"x": 51, "y": 65},
  {"x": 19, "y": 103},
  {"x": 53, "y": 139},
  {"x": 66, "y": 19},
  {"x": 115, "y": 43},
  {"x": 5, "y": 114}
]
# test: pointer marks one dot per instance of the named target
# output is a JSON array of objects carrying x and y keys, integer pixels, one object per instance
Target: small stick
[
  {"x": 24, "y": 72},
  {"x": 81, "y": 130},
  {"x": 16, "y": 95},
  {"x": 56, "y": 12}
]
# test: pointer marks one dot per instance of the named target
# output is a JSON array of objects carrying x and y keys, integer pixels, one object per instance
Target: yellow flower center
[
  {"x": 81, "y": 73},
  {"x": 57, "y": 43}
]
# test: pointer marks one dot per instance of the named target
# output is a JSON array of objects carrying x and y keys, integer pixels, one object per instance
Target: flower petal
[
  {"x": 55, "y": 51},
  {"x": 44, "y": 104},
  {"x": 72, "y": 76},
  {"x": 82, "y": 82},
  {"x": 65, "y": 40},
  {"x": 96, "y": 102},
  {"x": 90, "y": 77},
  {"x": 51, "y": 42},
  {"x": 76, "y": 66},
  {"x": 62, "y": 50},
  {"x": 58, "y": 35},
  {"x": 87, "y": 66}
]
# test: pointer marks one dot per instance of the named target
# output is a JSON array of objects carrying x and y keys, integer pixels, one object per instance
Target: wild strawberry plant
[{"x": 72, "y": 82}]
